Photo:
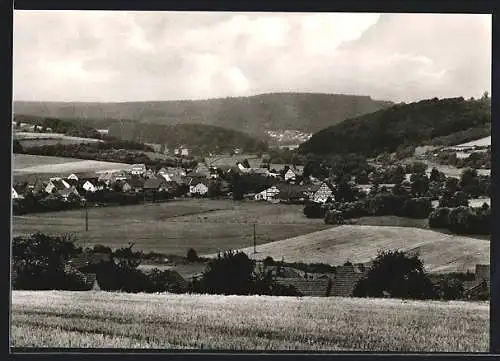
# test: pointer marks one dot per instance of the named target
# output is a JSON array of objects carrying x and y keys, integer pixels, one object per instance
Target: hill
[
  {"x": 307, "y": 112},
  {"x": 440, "y": 252},
  {"x": 402, "y": 125},
  {"x": 199, "y": 138},
  {"x": 205, "y": 322}
]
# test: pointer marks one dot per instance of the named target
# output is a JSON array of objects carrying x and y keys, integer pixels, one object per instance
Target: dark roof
[
  {"x": 204, "y": 181},
  {"x": 58, "y": 184},
  {"x": 288, "y": 191},
  {"x": 89, "y": 258},
  {"x": 136, "y": 182},
  {"x": 67, "y": 191},
  {"x": 82, "y": 175},
  {"x": 153, "y": 183},
  {"x": 72, "y": 182}
]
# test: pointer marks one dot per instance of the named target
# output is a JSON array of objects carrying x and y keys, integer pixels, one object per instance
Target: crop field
[
  {"x": 116, "y": 320},
  {"x": 38, "y": 164},
  {"x": 41, "y": 139},
  {"x": 173, "y": 227},
  {"x": 356, "y": 243}
]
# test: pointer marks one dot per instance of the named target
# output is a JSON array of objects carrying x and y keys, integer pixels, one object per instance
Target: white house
[
  {"x": 267, "y": 194},
  {"x": 15, "y": 195},
  {"x": 57, "y": 184},
  {"x": 290, "y": 175},
  {"x": 73, "y": 176},
  {"x": 138, "y": 169},
  {"x": 89, "y": 187},
  {"x": 200, "y": 188},
  {"x": 184, "y": 152}
]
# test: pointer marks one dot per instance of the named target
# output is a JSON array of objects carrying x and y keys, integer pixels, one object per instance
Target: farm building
[
  {"x": 68, "y": 192},
  {"x": 15, "y": 194},
  {"x": 267, "y": 194},
  {"x": 202, "y": 170},
  {"x": 322, "y": 193},
  {"x": 90, "y": 186},
  {"x": 56, "y": 184},
  {"x": 292, "y": 174}
]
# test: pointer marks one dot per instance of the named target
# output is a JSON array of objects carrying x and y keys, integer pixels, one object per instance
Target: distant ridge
[{"x": 307, "y": 112}]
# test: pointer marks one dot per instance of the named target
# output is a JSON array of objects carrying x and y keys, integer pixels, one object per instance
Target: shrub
[
  {"x": 191, "y": 255},
  {"x": 438, "y": 218},
  {"x": 314, "y": 210},
  {"x": 334, "y": 216},
  {"x": 399, "y": 274}
]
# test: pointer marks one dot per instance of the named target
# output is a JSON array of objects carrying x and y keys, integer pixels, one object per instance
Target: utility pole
[
  {"x": 86, "y": 218},
  {"x": 254, "y": 240}
]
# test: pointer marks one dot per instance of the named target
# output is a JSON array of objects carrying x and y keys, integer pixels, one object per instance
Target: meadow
[
  {"x": 359, "y": 243},
  {"x": 174, "y": 227},
  {"x": 23, "y": 164},
  {"x": 41, "y": 139},
  {"x": 477, "y": 143},
  {"x": 116, "y": 320}
]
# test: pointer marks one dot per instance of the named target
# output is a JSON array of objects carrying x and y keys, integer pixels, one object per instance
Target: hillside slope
[
  {"x": 403, "y": 124},
  {"x": 336, "y": 245},
  {"x": 199, "y": 138},
  {"x": 308, "y": 112}
]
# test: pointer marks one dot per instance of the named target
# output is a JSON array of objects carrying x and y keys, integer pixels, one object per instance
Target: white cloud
[{"x": 117, "y": 56}]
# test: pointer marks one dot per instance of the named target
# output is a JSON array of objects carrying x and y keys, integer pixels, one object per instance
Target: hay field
[
  {"x": 356, "y": 243},
  {"x": 173, "y": 227},
  {"x": 204, "y": 322},
  {"x": 39, "y": 164}
]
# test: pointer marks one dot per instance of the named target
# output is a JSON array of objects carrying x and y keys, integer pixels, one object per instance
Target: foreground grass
[
  {"x": 101, "y": 319},
  {"x": 174, "y": 227}
]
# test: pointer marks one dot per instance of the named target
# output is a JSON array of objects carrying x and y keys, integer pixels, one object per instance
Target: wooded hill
[
  {"x": 307, "y": 112},
  {"x": 199, "y": 138},
  {"x": 416, "y": 123}
]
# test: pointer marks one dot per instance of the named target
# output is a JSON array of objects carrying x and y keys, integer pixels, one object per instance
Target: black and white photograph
[{"x": 251, "y": 181}]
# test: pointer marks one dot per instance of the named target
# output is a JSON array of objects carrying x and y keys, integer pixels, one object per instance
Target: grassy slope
[
  {"x": 101, "y": 319},
  {"x": 33, "y": 164},
  {"x": 440, "y": 252},
  {"x": 174, "y": 227},
  {"x": 478, "y": 142}
]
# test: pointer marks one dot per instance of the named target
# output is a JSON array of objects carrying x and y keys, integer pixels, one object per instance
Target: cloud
[{"x": 127, "y": 56}]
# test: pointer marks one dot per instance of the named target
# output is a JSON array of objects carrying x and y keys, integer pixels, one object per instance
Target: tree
[
  {"x": 419, "y": 184},
  {"x": 435, "y": 175},
  {"x": 397, "y": 273},
  {"x": 191, "y": 255},
  {"x": 469, "y": 182},
  {"x": 229, "y": 274}
]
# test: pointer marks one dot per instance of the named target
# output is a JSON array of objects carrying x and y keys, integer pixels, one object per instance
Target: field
[
  {"x": 115, "y": 320},
  {"x": 477, "y": 143},
  {"x": 38, "y": 164},
  {"x": 355, "y": 243},
  {"x": 174, "y": 227},
  {"x": 40, "y": 139}
]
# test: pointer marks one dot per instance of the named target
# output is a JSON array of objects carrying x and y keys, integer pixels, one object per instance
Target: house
[
  {"x": 322, "y": 193},
  {"x": 149, "y": 174},
  {"x": 136, "y": 184},
  {"x": 346, "y": 278},
  {"x": 267, "y": 194},
  {"x": 292, "y": 174},
  {"x": 107, "y": 178},
  {"x": 72, "y": 176},
  {"x": 291, "y": 193},
  {"x": 56, "y": 184},
  {"x": 72, "y": 182},
  {"x": 199, "y": 187},
  {"x": 137, "y": 169},
  {"x": 184, "y": 152},
  {"x": 202, "y": 170},
  {"x": 155, "y": 184},
  {"x": 36, "y": 186},
  {"x": 90, "y": 186},
  {"x": 480, "y": 287},
  {"x": 67, "y": 192},
  {"x": 15, "y": 195}
]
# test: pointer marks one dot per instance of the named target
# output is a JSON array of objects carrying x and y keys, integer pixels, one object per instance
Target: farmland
[
  {"x": 174, "y": 227},
  {"x": 117, "y": 320},
  {"x": 41, "y": 139},
  {"x": 477, "y": 143},
  {"x": 37, "y": 164},
  {"x": 356, "y": 243}
]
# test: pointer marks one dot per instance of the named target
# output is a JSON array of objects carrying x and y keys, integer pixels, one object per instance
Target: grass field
[
  {"x": 41, "y": 139},
  {"x": 174, "y": 227},
  {"x": 440, "y": 252},
  {"x": 38, "y": 164},
  {"x": 116, "y": 320}
]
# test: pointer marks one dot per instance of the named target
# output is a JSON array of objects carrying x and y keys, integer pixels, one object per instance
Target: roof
[
  {"x": 154, "y": 183},
  {"x": 81, "y": 175},
  {"x": 288, "y": 191},
  {"x": 136, "y": 182},
  {"x": 58, "y": 184},
  {"x": 141, "y": 166},
  {"x": 197, "y": 181},
  {"x": 72, "y": 182},
  {"x": 67, "y": 191}
]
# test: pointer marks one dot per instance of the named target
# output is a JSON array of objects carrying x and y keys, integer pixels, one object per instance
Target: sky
[{"x": 116, "y": 56}]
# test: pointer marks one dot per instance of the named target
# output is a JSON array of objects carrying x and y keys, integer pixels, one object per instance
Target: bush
[
  {"x": 438, "y": 218},
  {"x": 314, "y": 210},
  {"x": 334, "y": 217},
  {"x": 398, "y": 274},
  {"x": 191, "y": 255},
  {"x": 419, "y": 208}
]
